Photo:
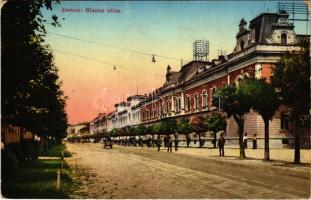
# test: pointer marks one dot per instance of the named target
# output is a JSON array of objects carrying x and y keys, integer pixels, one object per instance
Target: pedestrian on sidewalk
[
  {"x": 159, "y": 141},
  {"x": 176, "y": 141},
  {"x": 188, "y": 139},
  {"x": 245, "y": 140},
  {"x": 221, "y": 145},
  {"x": 169, "y": 143}
]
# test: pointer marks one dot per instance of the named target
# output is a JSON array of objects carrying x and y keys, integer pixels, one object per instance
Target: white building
[
  {"x": 98, "y": 124},
  {"x": 125, "y": 114},
  {"x": 77, "y": 129}
]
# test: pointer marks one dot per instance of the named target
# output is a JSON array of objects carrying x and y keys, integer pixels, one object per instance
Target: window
[
  {"x": 188, "y": 102},
  {"x": 196, "y": 101},
  {"x": 177, "y": 103},
  {"x": 168, "y": 106},
  {"x": 283, "y": 38},
  {"x": 284, "y": 121},
  {"x": 204, "y": 99},
  {"x": 242, "y": 45},
  {"x": 212, "y": 92}
]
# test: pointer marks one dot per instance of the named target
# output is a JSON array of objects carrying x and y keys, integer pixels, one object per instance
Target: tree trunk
[
  {"x": 200, "y": 140},
  {"x": 240, "y": 123},
  {"x": 267, "y": 154},
  {"x": 187, "y": 140},
  {"x": 297, "y": 144},
  {"x": 214, "y": 140}
]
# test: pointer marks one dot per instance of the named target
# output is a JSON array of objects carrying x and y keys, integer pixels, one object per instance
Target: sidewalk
[{"x": 283, "y": 155}]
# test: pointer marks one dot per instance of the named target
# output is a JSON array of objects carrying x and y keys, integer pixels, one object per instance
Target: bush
[
  {"x": 9, "y": 165},
  {"x": 17, "y": 150},
  {"x": 28, "y": 149},
  {"x": 36, "y": 150}
]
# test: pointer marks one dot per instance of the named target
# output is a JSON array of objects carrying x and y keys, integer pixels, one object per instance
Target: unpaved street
[{"x": 135, "y": 172}]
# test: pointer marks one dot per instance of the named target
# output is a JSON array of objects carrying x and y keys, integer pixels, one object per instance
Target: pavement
[
  {"x": 276, "y": 155},
  {"x": 140, "y": 172}
]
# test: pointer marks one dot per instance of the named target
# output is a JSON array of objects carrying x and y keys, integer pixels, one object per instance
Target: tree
[
  {"x": 236, "y": 104},
  {"x": 113, "y": 133},
  {"x": 264, "y": 101},
  {"x": 215, "y": 123},
  {"x": 32, "y": 97},
  {"x": 291, "y": 78},
  {"x": 184, "y": 127},
  {"x": 140, "y": 130},
  {"x": 198, "y": 126},
  {"x": 168, "y": 126},
  {"x": 157, "y": 129}
]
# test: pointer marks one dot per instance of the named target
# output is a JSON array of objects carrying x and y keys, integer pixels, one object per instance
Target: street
[{"x": 139, "y": 172}]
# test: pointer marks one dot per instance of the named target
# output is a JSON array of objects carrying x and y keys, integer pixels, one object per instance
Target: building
[
  {"x": 78, "y": 129},
  {"x": 126, "y": 113},
  {"x": 98, "y": 124},
  {"x": 189, "y": 92}
]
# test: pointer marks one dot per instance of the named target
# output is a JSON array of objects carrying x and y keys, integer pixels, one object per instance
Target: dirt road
[{"x": 135, "y": 172}]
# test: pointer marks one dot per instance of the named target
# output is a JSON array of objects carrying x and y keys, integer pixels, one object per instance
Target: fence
[{"x": 13, "y": 134}]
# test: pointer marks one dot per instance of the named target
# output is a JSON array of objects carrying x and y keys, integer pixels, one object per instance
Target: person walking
[
  {"x": 169, "y": 144},
  {"x": 188, "y": 139},
  {"x": 245, "y": 140},
  {"x": 176, "y": 141},
  {"x": 159, "y": 142},
  {"x": 221, "y": 145}
]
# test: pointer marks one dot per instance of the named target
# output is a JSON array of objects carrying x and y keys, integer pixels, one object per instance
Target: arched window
[
  {"x": 283, "y": 38},
  {"x": 242, "y": 45}
]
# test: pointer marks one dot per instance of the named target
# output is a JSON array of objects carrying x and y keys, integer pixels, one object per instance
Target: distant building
[
  {"x": 78, "y": 129},
  {"x": 126, "y": 113},
  {"x": 98, "y": 124}
]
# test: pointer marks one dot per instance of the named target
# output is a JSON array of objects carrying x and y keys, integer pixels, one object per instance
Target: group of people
[{"x": 168, "y": 143}]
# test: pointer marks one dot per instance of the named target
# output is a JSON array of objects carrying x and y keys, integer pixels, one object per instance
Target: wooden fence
[{"x": 13, "y": 134}]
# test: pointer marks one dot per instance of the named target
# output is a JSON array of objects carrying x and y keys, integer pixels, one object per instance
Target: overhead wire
[
  {"x": 99, "y": 61},
  {"x": 119, "y": 48}
]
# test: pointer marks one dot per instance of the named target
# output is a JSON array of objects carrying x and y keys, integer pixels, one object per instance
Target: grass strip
[
  {"x": 38, "y": 180},
  {"x": 56, "y": 151}
]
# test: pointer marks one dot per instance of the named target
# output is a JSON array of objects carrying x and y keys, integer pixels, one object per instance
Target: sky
[{"x": 104, "y": 41}]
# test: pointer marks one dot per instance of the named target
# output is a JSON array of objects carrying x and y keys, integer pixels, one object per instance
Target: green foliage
[
  {"x": 168, "y": 126},
  {"x": 32, "y": 97},
  {"x": 291, "y": 78},
  {"x": 262, "y": 95},
  {"x": 130, "y": 130},
  {"x": 215, "y": 123},
  {"x": 113, "y": 133},
  {"x": 150, "y": 130},
  {"x": 184, "y": 126},
  {"x": 235, "y": 102},
  {"x": 56, "y": 151},
  {"x": 140, "y": 130},
  {"x": 9, "y": 164},
  {"x": 198, "y": 125},
  {"x": 156, "y": 129}
]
